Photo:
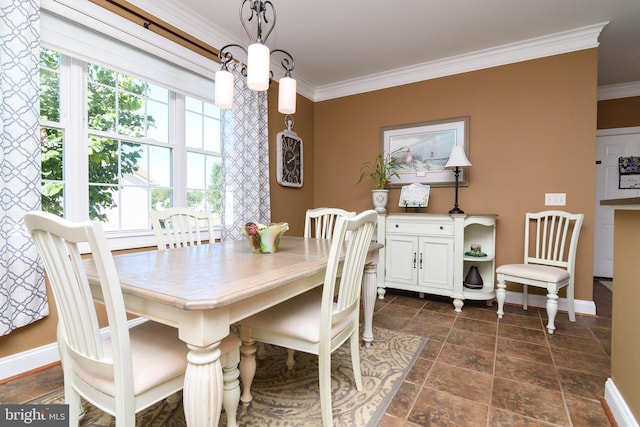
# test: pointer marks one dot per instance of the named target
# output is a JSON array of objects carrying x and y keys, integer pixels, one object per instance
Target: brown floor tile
[
  {"x": 25, "y": 389},
  {"x": 467, "y": 358},
  {"x": 444, "y": 307},
  {"x": 397, "y": 310},
  {"x": 409, "y": 301},
  {"x": 582, "y": 384},
  {"x": 472, "y": 340},
  {"x": 529, "y": 400},
  {"x": 502, "y": 418},
  {"x": 435, "y": 318},
  {"x": 486, "y": 314},
  {"x": 476, "y": 326},
  {"x": 539, "y": 374},
  {"x": 468, "y": 384},
  {"x": 431, "y": 331},
  {"x": 583, "y": 344},
  {"x": 531, "y": 322},
  {"x": 419, "y": 371},
  {"x": 391, "y": 322},
  {"x": 431, "y": 349},
  {"x": 524, "y": 350},
  {"x": 583, "y": 362},
  {"x": 438, "y": 409},
  {"x": 403, "y": 400},
  {"x": 586, "y": 412},
  {"x": 522, "y": 334}
]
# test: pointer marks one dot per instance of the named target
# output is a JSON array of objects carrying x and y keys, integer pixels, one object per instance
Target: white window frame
[{"x": 64, "y": 27}]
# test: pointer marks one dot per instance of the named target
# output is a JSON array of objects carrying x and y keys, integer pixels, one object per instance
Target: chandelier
[{"x": 256, "y": 70}]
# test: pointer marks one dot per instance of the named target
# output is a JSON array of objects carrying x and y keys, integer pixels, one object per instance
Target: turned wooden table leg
[
  {"x": 369, "y": 292},
  {"x": 203, "y": 385}
]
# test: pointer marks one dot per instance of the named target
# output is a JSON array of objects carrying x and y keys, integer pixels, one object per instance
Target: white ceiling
[{"x": 340, "y": 42}]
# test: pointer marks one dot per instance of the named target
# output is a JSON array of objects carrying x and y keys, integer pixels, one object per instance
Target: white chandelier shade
[{"x": 257, "y": 70}]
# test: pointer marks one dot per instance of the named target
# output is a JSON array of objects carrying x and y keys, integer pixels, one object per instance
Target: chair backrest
[
  {"x": 349, "y": 272},
  {"x": 320, "y": 222},
  {"x": 57, "y": 241},
  {"x": 179, "y": 227},
  {"x": 551, "y": 238}
]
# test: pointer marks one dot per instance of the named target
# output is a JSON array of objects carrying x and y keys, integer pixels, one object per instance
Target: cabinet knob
[
  {"x": 441, "y": 228},
  {"x": 397, "y": 226}
]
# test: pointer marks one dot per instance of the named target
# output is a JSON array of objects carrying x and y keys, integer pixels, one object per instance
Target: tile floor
[{"x": 474, "y": 370}]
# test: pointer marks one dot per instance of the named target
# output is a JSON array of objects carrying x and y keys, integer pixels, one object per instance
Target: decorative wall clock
[{"x": 289, "y": 162}]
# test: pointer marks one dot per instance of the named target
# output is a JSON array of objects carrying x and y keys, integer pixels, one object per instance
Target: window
[{"x": 140, "y": 145}]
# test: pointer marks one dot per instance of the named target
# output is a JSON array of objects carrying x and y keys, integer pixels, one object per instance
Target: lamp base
[{"x": 456, "y": 210}]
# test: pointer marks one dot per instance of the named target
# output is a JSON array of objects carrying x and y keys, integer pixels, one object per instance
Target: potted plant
[{"x": 380, "y": 172}]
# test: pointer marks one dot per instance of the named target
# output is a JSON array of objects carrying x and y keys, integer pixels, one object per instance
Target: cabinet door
[
  {"x": 435, "y": 262},
  {"x": 401, "y": 259}
]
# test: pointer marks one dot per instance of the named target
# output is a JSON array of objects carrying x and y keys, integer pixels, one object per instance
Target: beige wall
[
  {"x": 619, "y": 113},
  {"x": 625, "y": 345},
  {"x": 532, "y": 131},
  {"x": 289, "y": 204}
]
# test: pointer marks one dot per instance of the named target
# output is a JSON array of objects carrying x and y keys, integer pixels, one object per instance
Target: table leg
[
  {"x": 369, "y": 291},
  {"x": 203, "y": 386},
  {"x": 247, "y": 364}
]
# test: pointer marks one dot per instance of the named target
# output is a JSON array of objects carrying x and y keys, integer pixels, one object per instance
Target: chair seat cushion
[
  {"x": 157, "y": 354},
  {"x": 543, "y": 273},
  {"x": 297, "y": 318}
]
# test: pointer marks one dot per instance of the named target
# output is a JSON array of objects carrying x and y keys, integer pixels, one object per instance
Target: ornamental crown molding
[{"x": 539, "y": 47}]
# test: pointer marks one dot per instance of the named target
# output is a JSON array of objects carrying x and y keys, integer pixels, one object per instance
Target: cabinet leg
[
  {"x": 381, "y": 292},
  {"x": 458, "y": 303}
]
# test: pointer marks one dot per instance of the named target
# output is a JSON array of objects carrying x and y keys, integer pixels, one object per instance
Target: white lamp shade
[
  {"x": 258, "y": 67},
  {"x": 287, "y": 96},
  {"x": 457, "y": 158},
  {"x": 224, "y": 89}
]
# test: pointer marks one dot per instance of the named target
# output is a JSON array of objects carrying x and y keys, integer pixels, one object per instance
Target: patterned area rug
[{"x": 283, "y": 397}]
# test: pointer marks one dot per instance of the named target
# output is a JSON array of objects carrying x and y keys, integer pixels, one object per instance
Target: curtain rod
[{"x": 127, "y": 11}]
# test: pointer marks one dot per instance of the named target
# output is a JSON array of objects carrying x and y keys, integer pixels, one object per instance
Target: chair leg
[
  {"x": 525, "y": 297},
  {"x": 500, "y": 296},
  {"x": 552, "y": 310},
  {"x": 247, "y": 366},
  {"x": 231, "y": 394},
  {"x": 324, "y": 374},
  {"x": 355, "y": 359},
  {"x": 290, "y": 360},
  {"x": 572, "y": 310}
]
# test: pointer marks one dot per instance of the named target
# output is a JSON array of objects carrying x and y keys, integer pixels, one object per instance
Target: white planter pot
[{"x": 380, "y": 199}]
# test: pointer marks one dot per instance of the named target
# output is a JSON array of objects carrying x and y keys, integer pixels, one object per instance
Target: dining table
[{"x": 203, "y": 290}]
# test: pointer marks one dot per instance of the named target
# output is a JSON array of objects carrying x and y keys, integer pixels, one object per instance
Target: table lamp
[{"x": 457, "y": 159}]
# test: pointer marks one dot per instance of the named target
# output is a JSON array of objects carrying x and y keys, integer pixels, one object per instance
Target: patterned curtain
[
  {"x": 23, "y": 298},
  {"x": 245, "y": 160}
]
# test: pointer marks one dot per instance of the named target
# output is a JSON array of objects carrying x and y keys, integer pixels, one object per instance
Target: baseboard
[
  {"x": 29, "y": 360},
  {"x": 540, "y": 301},
  {"x": 621, "y": 412}
]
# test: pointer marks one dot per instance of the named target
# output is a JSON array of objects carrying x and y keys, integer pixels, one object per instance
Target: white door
[{"x": 611, "y": 144}]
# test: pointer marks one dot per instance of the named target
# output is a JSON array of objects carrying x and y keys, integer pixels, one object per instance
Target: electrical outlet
[{"x": 555, "y": 199}]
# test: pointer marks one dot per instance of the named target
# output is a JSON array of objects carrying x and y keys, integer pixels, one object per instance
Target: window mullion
[
  {"x": 177, "y": 140},
  {"x": 74, "y": 108}
]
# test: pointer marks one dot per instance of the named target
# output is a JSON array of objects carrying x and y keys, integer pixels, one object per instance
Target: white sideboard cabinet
[{"x": 425, "y": 253}]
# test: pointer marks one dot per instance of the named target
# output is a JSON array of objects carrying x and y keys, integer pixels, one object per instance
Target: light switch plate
[{"x": 555, "y": 199}]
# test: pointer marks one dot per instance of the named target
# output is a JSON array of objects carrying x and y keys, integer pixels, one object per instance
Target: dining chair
[
  {"x": 127, "y": 369},
  {"x": 550, "y": 244},
  {"x": 178, "y": 227},
  {"x": 318, "y": 325},
  {"x": 320, "y": 222}
]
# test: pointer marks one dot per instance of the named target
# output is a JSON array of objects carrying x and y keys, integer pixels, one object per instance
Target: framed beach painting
[{"x": 424, "y": 150}]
